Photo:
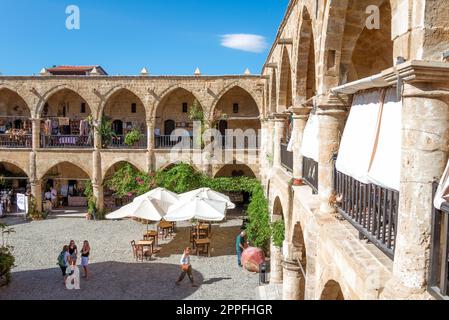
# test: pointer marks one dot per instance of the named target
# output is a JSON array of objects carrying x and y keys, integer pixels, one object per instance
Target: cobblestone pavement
[{"x": 114, "y": 272}]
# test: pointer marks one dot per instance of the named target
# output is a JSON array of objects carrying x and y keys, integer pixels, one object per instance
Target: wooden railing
[
  {"x": 16, "y": 141},
  {"x": 310, "y": 173},
  {"x": 118, "y": 142},
  {"x": 286, "y": 157},
  {"x": 439, "y": 251},
  {"x": 371, "y": 209},
  {"x": 66, "y": 141}
]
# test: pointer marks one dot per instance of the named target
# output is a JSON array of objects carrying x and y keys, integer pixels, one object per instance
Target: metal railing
[
  {"x": 310, "y": 173},
  {"x": 371, "y": 209},
  {"x": 16, "y": 141},
  {"x": 240, "y": 142},
  {"x": 439, "y": 251},
  {"x": 168, "y": 142},
  {"x": 118, "y": 142},
  {"x": 66, "y": 141},
  {"x": 286, "y": 157}
]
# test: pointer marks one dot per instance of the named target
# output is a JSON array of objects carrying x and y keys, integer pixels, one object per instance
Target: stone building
[
  {"x": 352, "y": 104},
  {"x": 358, "y": 89}
]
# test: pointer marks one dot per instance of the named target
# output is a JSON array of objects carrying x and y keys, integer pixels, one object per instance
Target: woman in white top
[{"x": 186, "y": 268}]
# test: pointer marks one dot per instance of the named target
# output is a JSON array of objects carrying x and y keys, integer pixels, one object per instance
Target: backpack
[{"x": 61, "y": 261}]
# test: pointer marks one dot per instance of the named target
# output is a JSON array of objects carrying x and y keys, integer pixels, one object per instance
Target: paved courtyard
[{"x": 114, "y": 272}]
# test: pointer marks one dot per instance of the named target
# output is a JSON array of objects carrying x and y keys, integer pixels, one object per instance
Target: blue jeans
[{"x": 239, "y": 258}]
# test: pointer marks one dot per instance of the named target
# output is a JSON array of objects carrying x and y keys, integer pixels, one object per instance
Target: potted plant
[
  {"x": 106, "y": 132},
  {"x": 6, "y": 257},
  {"x": 133, "y": 137},
  {"x": 297, "y": 182}
]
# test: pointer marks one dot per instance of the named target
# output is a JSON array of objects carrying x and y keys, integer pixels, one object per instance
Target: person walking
[
  {"x": 240, "y": 246},
  {"x": 54, "y": 197},
  {"x": 186, "y": 268},
  {"x": 85, "y": 252},
  {"x": 64, "y": 261},
  {"x": 73, "y": 251}
]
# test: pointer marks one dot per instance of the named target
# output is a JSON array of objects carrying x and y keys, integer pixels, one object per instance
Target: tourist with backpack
[{"x": 64, "y": 261}]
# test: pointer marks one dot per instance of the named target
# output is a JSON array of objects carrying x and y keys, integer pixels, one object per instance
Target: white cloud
[{"x": 244, "y": 42}]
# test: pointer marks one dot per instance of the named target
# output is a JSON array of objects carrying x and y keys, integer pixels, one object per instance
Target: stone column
[
  {"x": 270, "y": 141},
  {"x": 293, "y": 283},
  {"x": 279, "y": 130},
  {"x": 36, "y": 133},
  {"x": 36, "y": 185},
  {"x": 150, "y": 144},
  {"x": 300, "y": 117},
  {"x": 97, "y": 178},
  {"x": 332, "y": 112},
  {"x": 425, "y": 127},
  {"x": 275, "y": 265}
]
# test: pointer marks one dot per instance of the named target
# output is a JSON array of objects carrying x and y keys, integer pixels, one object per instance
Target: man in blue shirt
[{"x": 240, "y": 246}]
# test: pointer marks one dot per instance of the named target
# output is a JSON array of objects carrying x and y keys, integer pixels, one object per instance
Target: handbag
[{"x": 185, "y": 267}]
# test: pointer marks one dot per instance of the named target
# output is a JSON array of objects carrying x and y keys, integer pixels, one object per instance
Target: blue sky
[{"x": 169, "y": 37}]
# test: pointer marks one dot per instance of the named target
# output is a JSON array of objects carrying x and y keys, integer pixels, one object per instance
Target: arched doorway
[
  {"x": 69, "y": 182},
  {"x": 15, "y": 124},
  {"x": 111, "y": 199},
  {"x": 332, "y": 291},
  {"x": 13, "y": 181},
  {"x": 177, "y": 110},
  {"x": 65, "y": 121},
  {"x": 300, "y": 257},
  {"x": 276, "y": 274},
  {"x": 241, "y": 199},
  {"x": 126, "y": 113},
  {"x": 169, "y": 127}
]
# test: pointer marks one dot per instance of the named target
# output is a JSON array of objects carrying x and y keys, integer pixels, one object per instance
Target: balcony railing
[
  {"x": 240, "y": 142},
  {"x": 286, "y": 158},
  {"x": 16, "y": 141},
  {"x": 168, "y": 142},
  {"x": 66, "y": 141},
  {"x": 439, "y": 252},
  {"x": 371, "y": 209},
  {"x": 118, "y": 142},
  {"x": 310, "y": 173}
]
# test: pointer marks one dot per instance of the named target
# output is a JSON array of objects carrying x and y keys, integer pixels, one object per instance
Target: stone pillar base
[
  {"x": 293, "y": 285},
  {"x": 394, "y": 290}
]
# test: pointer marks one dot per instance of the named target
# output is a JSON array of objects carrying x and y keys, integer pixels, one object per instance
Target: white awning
[
  {"x": 442, "y": 194},
  {"x": 385, "y": 170},
  {"x": 309, "y": 145},
  {"x": 357, "y": 143},
  {"x": 370, "y": 150}
]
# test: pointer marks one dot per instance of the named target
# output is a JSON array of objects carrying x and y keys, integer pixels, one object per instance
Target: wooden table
[
  {"x": 166, "y": 227},
  {"x": 205, "y": 243},
  {"x": 147, "y": 243},
  {"x": 151, "y": 235}
]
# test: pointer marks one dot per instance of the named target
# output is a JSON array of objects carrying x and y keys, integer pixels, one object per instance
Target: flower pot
[{"x": 297, "y": 182}]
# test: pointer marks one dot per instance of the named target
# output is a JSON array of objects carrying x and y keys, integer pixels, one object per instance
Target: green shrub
[
  {"x": 133, "y": 137},
  {"x": 278, "y": 233},
  {"x": 33, "y": 213},
  {"x": 179, "y": 179},
  {"x": 6, "y": 258}
]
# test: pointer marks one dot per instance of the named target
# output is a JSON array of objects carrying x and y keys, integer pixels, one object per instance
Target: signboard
[{"x": 22, "y": 202}]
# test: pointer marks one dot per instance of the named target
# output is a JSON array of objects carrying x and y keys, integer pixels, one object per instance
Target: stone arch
[
  {"x": 117, "y": 162},
  {"x": 332, "y": 291},
  {"x": 43, "y": 99},
  {"x": 171, "y": 107},
  {"x": 243, "y": 86},
  {"x": 305, "y": 86},
  {"x": 114, "y": 91},
  {"x": 167, "y": 92},
  {"x": 351, "y": 50},
  {"x": 125, "y": 105},
  {"x": 8, "y": 163},
  {"x": 79, "y": 167},
  {"x": 229, "y": 169},
  {"x": 12, "y": 92},
  {"x": 64, "y": 101},
  {"x": 248, "y": 108},
  {"x": 285, "y": 83},
  {"x": 278, "y": 211}
]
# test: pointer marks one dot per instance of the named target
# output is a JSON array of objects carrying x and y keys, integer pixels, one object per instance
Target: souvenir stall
[
  {"x": 15, "y": 132},
  {"x": 13, "y": 181}
]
